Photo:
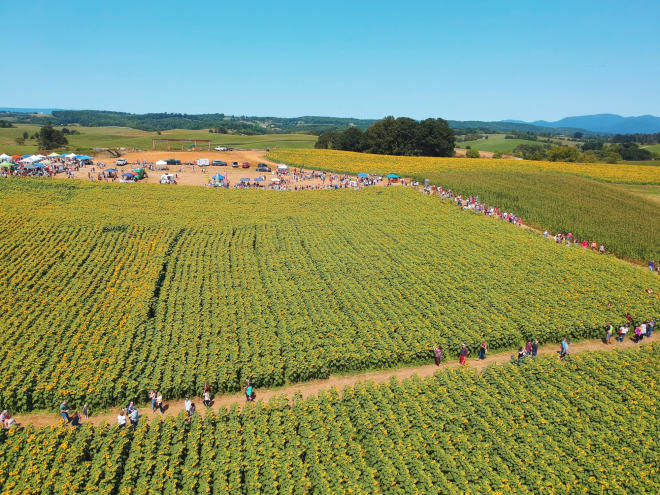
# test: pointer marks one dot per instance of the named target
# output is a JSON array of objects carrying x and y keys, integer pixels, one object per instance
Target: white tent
[
  {"x": 281, "y": 166},
  {"x": 274, "y": 180},
  {"x": 53, "y": 154},
  {"x": 4, "y": 157},
  {"x": 161, "y": 162},
  {"x": 71, "y": 155}
]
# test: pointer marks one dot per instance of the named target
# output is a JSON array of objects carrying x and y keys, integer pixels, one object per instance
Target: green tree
[
  {"x": 50, "y": 138},
  {"x": 563, "y": 154},
  {"x": 20, "y": 140},
  {"x": 25, "y": 134},
  {"x": 472, "y": 153}
]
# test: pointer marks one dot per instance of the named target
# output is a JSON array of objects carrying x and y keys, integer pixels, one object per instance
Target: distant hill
[
  {"x": 26, "y": 110},
  {"x": 608, "y": 123}
]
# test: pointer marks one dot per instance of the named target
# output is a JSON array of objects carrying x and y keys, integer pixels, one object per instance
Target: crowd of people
[{"x": 642, "y": 330}]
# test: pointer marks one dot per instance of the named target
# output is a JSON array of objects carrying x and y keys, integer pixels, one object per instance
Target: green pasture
[
  {"x": 498, "y": 143},
  {"x": 123, "y": 137}
]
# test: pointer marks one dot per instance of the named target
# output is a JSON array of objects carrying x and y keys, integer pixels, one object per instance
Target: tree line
[{"x": 390, "y": 136}]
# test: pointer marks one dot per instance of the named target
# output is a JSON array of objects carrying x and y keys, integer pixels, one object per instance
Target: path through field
[{"x": 313, "y": 387}]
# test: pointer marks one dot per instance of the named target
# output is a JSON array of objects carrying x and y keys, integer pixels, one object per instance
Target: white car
[
  {"x": 121, "y": 162},
  {"x": 220, "y": 148}
]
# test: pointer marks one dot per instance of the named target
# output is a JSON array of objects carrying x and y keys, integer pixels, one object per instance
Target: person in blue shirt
[
  {"x": 134, "y": 418},
  {"x": 64, "y": 411},
  {"x": 564, "y": 348}
]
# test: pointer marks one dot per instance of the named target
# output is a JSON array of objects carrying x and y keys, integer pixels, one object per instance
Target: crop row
[{"x": 587, "y": 425}]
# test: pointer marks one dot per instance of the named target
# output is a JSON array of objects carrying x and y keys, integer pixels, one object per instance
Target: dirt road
[{"x": 313, "y": 387}]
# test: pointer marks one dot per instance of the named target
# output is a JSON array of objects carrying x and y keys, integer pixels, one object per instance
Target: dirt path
[{"x": 313, "y": 387}]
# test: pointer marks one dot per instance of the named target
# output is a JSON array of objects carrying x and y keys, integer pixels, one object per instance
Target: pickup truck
[
  {"x": 121, "y": 162},
  {"x": 262, "y": 167}
]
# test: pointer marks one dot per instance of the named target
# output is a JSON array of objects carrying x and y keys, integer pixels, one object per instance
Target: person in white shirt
[
  {"x": 622, "y": 333},
  {"x": 186, "y": 404},
  {"x": 121, "y": 418}
]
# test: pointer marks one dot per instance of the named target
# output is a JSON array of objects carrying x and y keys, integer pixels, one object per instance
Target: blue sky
[{"x": 470, "y": 60}]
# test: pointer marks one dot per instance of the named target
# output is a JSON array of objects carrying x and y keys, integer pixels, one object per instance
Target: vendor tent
[
  {"x": 16, "y": 157},
  {"x": 83, "y": 157},
  {"x": 218, "y": 177},
  {"x": 245, "y": 179},
  {"x": 274, "y": 180},
  {"x": 362, "y": 174},
  {"x": 71, "y": 155},
  {"x": 53, "y": 154},
  {"x": 258, "y": 179},
  {"x": 128, "y": 174},
  {"x": 6, "y": 165},
  {"x": 282, "y": 166},
  {"x": 392, "y": 176},
  {"x": 161, "y": 162},
  {"x": 4, "y": 157},
  {"x": 110, "y": 170}
]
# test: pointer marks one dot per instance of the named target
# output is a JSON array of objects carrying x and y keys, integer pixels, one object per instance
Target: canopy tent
[
  {"x": 6, "y": 165},
  {"x": 392, "y": 176},
  {"x": 128, "y": 174},
  {"x": 84, "y": 157},
  {"x": 274, "y": 180},
  {"x": 16, "y": 157},
  {"x": 63, "y": 155},
  {"x": 53, "y": 154},
  {"x": 25, "y": 156},
  {"x": 362, "y": 174},
  {"x": 258, "y": 179},
  {"x": 282, "y": 166},
  {"x": 4, "y": 157},
  {"x": 71, "y": 155},
  {"x": 110, "y": 170},
  {"x": 38, "y": 165},
  {"x": 161, "y": 162},
  {"x": 245, "y": 179},
  {"x": 218, "y": 177}
]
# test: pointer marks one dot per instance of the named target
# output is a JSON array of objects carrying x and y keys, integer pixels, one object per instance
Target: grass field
[
  {"x": 497, "y": 142},
  {"x": 537, "y": 191},
  {"x": 169, "y": 288},
  {"x": 115, "y": 137}
]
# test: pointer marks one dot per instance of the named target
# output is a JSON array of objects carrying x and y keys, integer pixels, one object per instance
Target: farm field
[
  {"x": 504, "y": 430},
  {"x": 562, "y": 197},
  {"x": 115, "y": 137},
  {"x": 497, "y": 142},
  {"x": 109, "y": 291}
]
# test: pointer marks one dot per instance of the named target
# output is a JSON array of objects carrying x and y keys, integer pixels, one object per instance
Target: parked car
[
  {"x": 220, "y": 148},
  {"x": 219, "y": 163},
  {"x": 234, "y": 164},
  {"x": 246, "y": 165},
  {"x": 172, "y": 161},
  {"x": 121, "y": 162},
  {"x": 262, "y": 167}
]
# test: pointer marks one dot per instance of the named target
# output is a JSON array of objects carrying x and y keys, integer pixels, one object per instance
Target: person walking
[
  {"x": 649, "y": 328},
  {"x": 563, "y": 352},
  {"x": 483, "y": 350},
  {"x": 207, "y": 398},
  {"x": 528, "y": 348},
  {"x": 535, "y": 348},
  {"x": 186, "y": 404},
  {"x": 75, "y": 420},
  {"x": 249, "y": 392},
  {"x": 437, "y": 352},
  {"x": 463, "y": 354},
  {"x": 608, "y": 335},
  {"x": 85, "y": 411},
  {"x": 64, "y": 411},
  {"x": 159, "y": 402},
  {"x": 638, "y": 334},
  {"x": 651, "y": 266},
  {"x": 152, "y": 396},
  {"x": 623, "y": 330}
]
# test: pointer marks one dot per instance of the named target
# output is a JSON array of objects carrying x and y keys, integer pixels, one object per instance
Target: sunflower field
[
  {"x": 108, "y": 291},
  {"x": 561, "y": 197},
  {"x": 588, "y": 425}
]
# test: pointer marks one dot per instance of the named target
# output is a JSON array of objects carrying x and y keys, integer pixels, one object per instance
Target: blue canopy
[
  {"x": 392, "y": 176},
  {"x": 39, "y": 165},
  {"x": 362, "y": 174},
  {"x": 245, "y": 179},
  {"x": 111, "y": 170},
  {"x": 258, "y": 179},
  {"x": 62, "y": 154},
  {"x": 218, "y": 177},
  {"x": 128, "y": 174},
  {"x": 83, "y": 157},
  {"x": 25, "y": 156}
]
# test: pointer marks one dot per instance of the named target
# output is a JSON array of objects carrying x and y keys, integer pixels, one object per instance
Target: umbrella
[
  {"x": 218, "y": 177},
  {"x": 362, "y": 174},
  {"x": 111, "y": 170},
  {"x": 392, "y": 176},
  {"x": 258, "y": 179},
  {"x": 245, "y": 179}
]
